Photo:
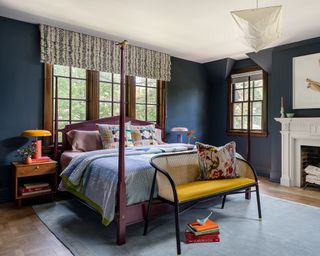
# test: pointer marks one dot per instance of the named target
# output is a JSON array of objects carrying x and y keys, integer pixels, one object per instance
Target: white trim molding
[{"x": 296, "y": 132}]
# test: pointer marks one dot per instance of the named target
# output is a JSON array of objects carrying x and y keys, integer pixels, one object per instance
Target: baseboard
[
  {"x": 275, "y": 176},
  {"x": 263, "y": 173}
]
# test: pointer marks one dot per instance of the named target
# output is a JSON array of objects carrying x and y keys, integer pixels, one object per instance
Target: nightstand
[{"x": 34, "y": 173}]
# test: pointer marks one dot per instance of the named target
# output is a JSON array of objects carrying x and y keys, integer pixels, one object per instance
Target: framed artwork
[{"x": 306, "y": 81}]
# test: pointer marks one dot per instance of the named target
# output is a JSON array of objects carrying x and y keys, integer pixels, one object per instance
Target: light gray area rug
[{"x": 287, "y": 229}]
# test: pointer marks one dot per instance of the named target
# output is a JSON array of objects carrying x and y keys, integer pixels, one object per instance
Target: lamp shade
[
  {"x": 179, "y": 129},
  {"x": 260, "y": 26},
  {"x": 36, "y": 133}
]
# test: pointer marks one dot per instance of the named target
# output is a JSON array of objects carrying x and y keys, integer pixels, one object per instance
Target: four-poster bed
[{"x": 125, "y": 215}]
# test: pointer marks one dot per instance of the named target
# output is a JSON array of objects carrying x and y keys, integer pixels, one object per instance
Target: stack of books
[
  {"x": 206, "y": 233},
  {"x": 34, "y": 188}
]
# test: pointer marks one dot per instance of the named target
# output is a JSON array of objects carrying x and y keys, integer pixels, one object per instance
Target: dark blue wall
[
  {"x": 21, "y": 82},
  {"x": 266, "y": 152},
  {"x": 187, "y": 98}
]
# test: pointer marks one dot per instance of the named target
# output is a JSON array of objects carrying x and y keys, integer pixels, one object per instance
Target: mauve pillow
[
  {"x": 84, "y": 140},
  {"x": 159, "y": 136}
]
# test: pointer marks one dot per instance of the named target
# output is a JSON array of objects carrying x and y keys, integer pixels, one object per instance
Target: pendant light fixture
[{"x": 260, "y": 26}]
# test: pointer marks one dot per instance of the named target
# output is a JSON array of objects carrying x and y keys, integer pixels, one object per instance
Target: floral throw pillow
[
  {"x": 110, "y": 135},
  {"x": 144, "y": 135},
  {"x": 217, "y": 162}
]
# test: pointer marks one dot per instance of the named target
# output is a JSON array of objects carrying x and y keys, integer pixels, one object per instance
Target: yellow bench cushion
[{"x": 203, "y": 188}]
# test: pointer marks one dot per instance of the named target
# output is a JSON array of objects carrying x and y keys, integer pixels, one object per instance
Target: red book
[
  {"x": 24, "y": 189},
  {"x": 190, "y": 235},
  {"x": 207, "y": 238}
]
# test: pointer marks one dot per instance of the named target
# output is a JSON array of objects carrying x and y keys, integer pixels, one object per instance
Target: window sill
[{"x": 245, "y": 133}]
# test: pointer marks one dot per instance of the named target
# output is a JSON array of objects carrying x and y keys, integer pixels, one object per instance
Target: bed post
[{"x": 121, "y": 193}]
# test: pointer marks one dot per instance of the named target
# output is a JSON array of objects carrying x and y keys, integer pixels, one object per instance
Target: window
[
  {"x": 146, "y": 99},
  {"x": 84, "y": 95},
  {"x": 109, "y": 94},
  {"x": 247, "y": 87},
  {"x": 71, "y": 86}
]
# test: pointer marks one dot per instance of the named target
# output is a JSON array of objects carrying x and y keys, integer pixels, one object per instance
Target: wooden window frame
[
  {"x": 93, "y": 99},
  {"x": 239, "y": 132}
]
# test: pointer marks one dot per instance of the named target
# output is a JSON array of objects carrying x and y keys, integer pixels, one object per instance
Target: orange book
[{"x": 210, "y": 224}]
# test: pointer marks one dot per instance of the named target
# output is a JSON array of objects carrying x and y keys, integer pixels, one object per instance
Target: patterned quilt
[{"x": 93, "y": 176}]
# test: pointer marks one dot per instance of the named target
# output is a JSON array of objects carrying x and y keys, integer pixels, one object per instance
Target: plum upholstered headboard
[{"x": 91, "y": 126}]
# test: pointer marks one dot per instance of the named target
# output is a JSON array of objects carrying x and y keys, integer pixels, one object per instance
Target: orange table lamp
[{"x": 37, "y": 157}]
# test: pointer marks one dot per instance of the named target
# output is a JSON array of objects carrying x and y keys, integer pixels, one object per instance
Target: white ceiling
[{"x": 198, "y": 30}]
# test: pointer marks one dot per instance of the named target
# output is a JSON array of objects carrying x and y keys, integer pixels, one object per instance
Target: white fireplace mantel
[{"x": 296, "y": 132}]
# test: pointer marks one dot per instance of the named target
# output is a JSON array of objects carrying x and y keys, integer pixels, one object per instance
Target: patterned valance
[{"x": 68, "y": 48}]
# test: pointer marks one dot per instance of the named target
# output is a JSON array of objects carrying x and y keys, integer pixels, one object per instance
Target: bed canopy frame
[
  {"x": 125, "y": 214},
  {"x": 121, "y": 195}
]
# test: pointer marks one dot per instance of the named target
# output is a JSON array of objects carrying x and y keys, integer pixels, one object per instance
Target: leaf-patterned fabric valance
[{"x": 68, "y": 48}]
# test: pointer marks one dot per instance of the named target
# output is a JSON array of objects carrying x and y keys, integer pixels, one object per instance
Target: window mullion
[{"x": 70, "y": 95}]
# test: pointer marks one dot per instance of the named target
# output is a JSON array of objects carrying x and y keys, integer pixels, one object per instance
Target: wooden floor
[{"x": 22, "y": 233}]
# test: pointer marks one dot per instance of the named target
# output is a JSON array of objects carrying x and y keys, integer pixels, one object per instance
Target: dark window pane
[
  {"x": 141, "y": 112},
  {"x": 104, "y": 109},
  {"x": 140, "y": 94},
  {"x": 237, "y": 108},
  {"x": 105, "y": 91},
  {"x": 116, "y": 92},
  {"x": 152, "y": 95},
  {"x": 63, "y": 87},
  {"x": 257, "y": 108},
  {"x": 140, "y": 81},
  {"x": 151, "y": 113},
  {"x": 256, "y": 122},
  {"x": 78, "y": 73},
  {"x": 105, "y": 76},
  {"x": 79, "y": 90},
  {"x": 258, "y": 93},
  {"x": 63, "y": 109},
  {"x": 59, "y": 70},
  {"x": 152, "y": 82},
  {"x": 78, "y": 110},
  {"x": 237, "y": 122}
]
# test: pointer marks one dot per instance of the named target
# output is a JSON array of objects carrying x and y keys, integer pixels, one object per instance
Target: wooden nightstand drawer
[
  {"x": 25, "y": 170},
  {"x": 35, "y": 169}
]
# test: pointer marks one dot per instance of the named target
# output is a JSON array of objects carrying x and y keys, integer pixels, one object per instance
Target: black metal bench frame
[{"x": 177, "y": 205}]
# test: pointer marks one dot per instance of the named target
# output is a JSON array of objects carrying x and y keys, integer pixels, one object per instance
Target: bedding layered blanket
[{"x": 93, "y": 176}]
